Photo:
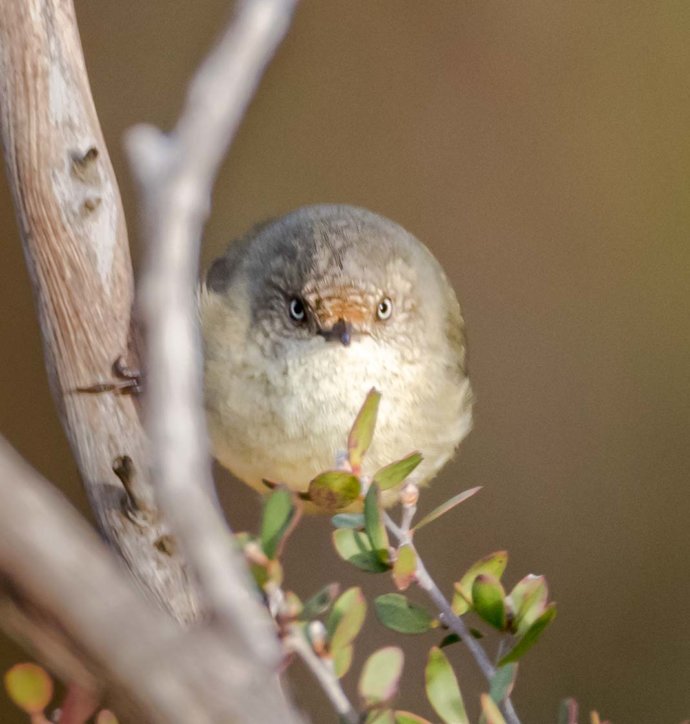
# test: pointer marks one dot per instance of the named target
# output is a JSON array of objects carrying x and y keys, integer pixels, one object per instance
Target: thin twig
[
  {"x": 509, "y": 711},
  {"x": 176, "y": 174},
  {"x": 408, "y": 513},
  {"x": 507, "y": 703},
  {"x": 455, "y": 623},
  {"x": 297, "y": 642},
  {"x": 449, "y": 618}
]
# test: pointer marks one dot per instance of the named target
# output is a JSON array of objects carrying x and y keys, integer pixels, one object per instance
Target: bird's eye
[
  {"x": 297, "y": 311},
  {"x": 384, "y": 309}
]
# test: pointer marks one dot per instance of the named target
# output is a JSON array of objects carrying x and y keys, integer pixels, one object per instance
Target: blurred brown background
[{"x": 542, "y": 151}]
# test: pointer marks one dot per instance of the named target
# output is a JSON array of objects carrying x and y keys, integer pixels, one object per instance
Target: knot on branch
[{"x": 134, "y": 506}]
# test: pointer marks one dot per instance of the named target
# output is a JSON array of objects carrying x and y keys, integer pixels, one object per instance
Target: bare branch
[
  {"x": 91, "y": 623},
  {"x": 176, "y": 173},
  {"x": 75, "y": 243}
]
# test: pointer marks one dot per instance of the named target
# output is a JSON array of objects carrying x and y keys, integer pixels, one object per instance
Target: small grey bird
[{"x": 301, "y": 318}]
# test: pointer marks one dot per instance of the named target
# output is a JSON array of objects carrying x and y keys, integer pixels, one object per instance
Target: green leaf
[
  {"x": 30, "y": 687},
  {"x": 380, "y": 716},
  {"x": 453, "y": 638},
  {"x": 491, "y": 714},
  {"x": 528, "y": 601},
  {"x": 342, "y": 660},
  {"x": 362, "y": 431},
  {"x": 380, "y": 677},
  {"x": 488, "y": 600},
  {"x": 442, "y": 689},
  {"x": 373, "y": 524},
  {"x": 346, "y": 618},
  {"x": 354, "y": 547},
  {"x": 531, "y": 636},
  {"x": 404, "y": 567},
  {"x": 445, "y": 507},
  {"x": 399, "y": 614},
  {"x": 407, "y": 717},
  {"x": 279, "y": 510},
  {"x": 449, "y": 640},
  {"x": 334, "y": 489},
  {"x": 320, "y": 602},
  {"x": 493, "y": 565},
  {"x": 567, "y": 711},
  {"x": 394, "y": 473},
  {"x": 348, "y": 520},
  {"x": 502, "y": 682}
]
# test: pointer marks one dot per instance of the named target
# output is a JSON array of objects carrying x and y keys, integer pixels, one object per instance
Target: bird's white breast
[{"x": 285, "y": 419}]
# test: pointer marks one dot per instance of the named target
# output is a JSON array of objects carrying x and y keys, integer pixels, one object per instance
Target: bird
[{"x": 304, "y": 315}]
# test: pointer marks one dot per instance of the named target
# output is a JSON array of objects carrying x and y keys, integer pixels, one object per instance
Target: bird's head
[{"x": 332, "y": 277}]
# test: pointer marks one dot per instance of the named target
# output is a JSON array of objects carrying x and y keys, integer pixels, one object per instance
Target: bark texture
[{"x": 75, "y": 243}]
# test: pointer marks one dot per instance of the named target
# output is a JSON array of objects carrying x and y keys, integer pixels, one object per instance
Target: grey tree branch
[
  {"x": 75, "y": 244},
  {"x": 176, "y": 173},
  {"x": 62, "y": 589}
]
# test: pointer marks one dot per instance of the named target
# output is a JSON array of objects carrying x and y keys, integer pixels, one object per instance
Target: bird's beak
[
  {"x": 340, "y": 313},
  {"x": 341, "y": 332}
]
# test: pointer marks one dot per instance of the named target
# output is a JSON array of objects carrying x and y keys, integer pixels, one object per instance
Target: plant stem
[
  {"x": 509, "y": 710},
  {"x": 408, "y": 513},
  {"x": 449, "y": 618},
  {"x": 297, "y": 642}
]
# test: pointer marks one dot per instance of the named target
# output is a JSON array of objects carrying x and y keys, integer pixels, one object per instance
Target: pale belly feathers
[{"x": 285, "y": 420}]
